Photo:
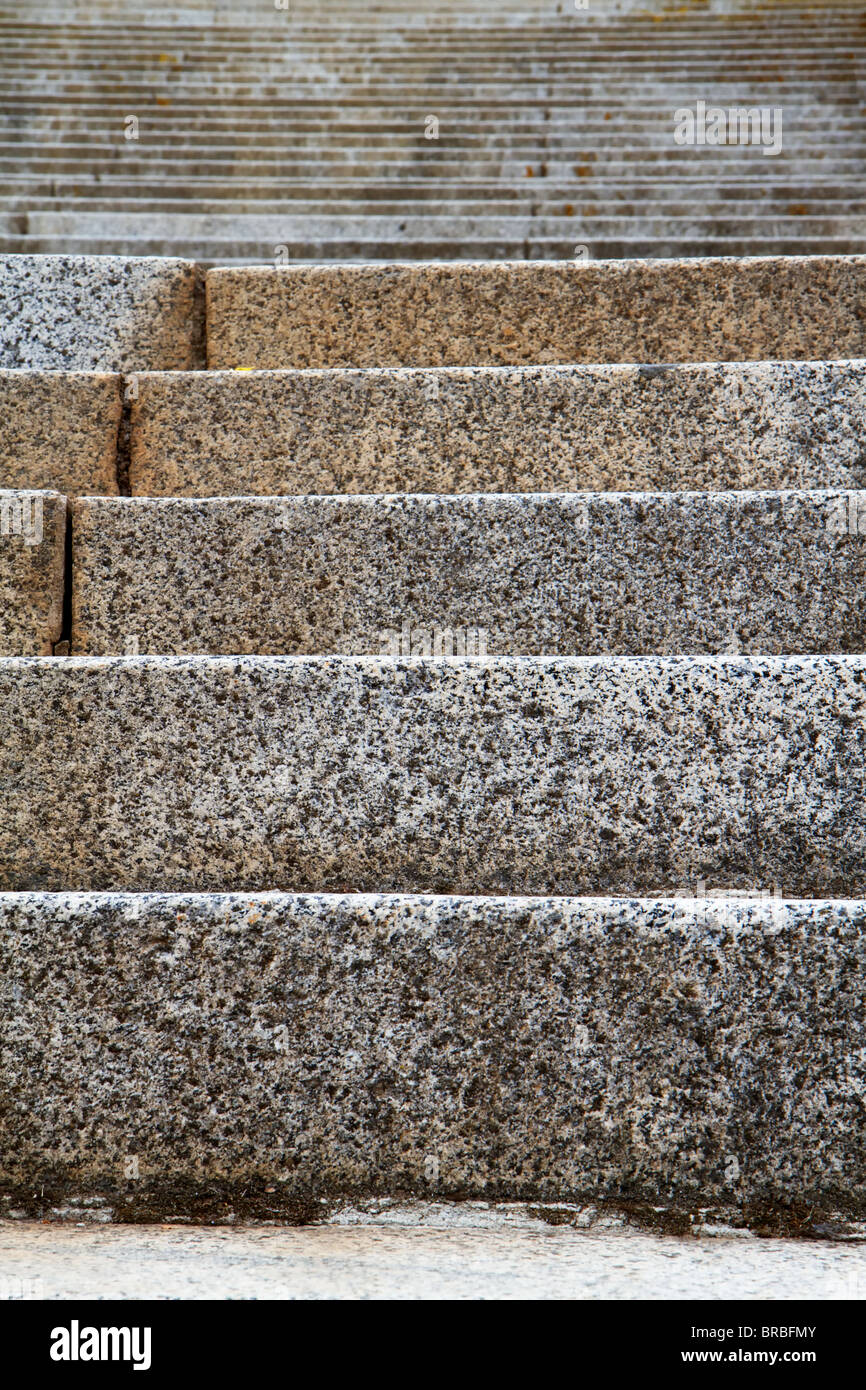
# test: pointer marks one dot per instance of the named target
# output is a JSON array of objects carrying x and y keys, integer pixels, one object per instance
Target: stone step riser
[
  {"x": 509, "y": 1047},
  {"x": 32, "y": 571},
  {"x": 586, "y": 188},
  {"x": 805, "y": 112},
  {"x": 129, "y": 186},
  {"x": 404, "y": 104},
  {"x": 709, "y": 428},
  {"x": 745, "y": 86},
  {"x": 318, "y": 203},
  {"x": 479, "y": 776},
  {"x": 50, "y": 109},
  {"x": 548, "y": 62},
  {"x": 143, "y": 158},
  {"x": 389, "y": 169},
  {"x": 517, "y": 143},
  {"x": 225, "y": 253},
  {"x": 294, "y": 230},
  {"x": 347, "y": 61},
  {"x": 169, "y": 45},
  {"x": 368, "y": 62},
  {"x": 819, "y": 130},
  {"x": 307, "y": 120},
  {"x": 486, "y": 314},
  {"x": 700, "y": 428},
  {"x": 59, "y": 430},
  {"x": 86, "y": 313},
  {"x": 565, "y": 575}
]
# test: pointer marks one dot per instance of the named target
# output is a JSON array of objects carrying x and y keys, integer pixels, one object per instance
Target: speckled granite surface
[
  {"x": 538, "y": 575},
  {"x": 59, "y": 430},
  {"x": 98, "y": 313},
  {"x": 653, "y": 1050},
  {"x": 494, "y": 429},
  {"x": 32, "y": 554},
  {"x": 507, "y": 775},
  {"x": 466, "y": 314}
]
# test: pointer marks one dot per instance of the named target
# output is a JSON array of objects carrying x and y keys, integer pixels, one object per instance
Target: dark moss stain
[{"x": 209, "y": 1203}]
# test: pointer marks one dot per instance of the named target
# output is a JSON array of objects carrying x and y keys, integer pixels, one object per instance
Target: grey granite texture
[
  {"x": 99, "y": 313},
  {"x": 59, "y": 430},
  {"x": 506, "y": 775},
  {"x": 565, "y": 574},
  {"x": 32, "y": 571},
  {"x": 505, "y": 1259},
  {"x": 497, "y": 429},
  {"x": 662, "y": 1051},
  {"x": 510, "y": 312}
]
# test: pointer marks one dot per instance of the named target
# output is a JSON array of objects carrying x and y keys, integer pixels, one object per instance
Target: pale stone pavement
[{"x": 423, "y": 1251}]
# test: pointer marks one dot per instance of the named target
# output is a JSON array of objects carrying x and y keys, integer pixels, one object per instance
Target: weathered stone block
[
  {"x": 99, "y": 313},
  {"x": 661, "y": 1051},
  {"x": 59, "y": 430},
  {"x": 493, "y": 429},
  {"x": 507, "y": 775},
  {"x": 454, "y": 313},
  {"x": 32, "y": 562},
  {"x": 567, "y": 574}
]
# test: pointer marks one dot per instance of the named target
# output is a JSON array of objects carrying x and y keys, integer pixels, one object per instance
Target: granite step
[
  {"x": 452, "y": 71},
  {"x": 622, "y": 136},
  {"x": 313, "y": 122},
  {"x": 32, "y": 572},
  {"x": 540, "y": 50},
  {"x": 449, "y": 68},
  {"x": 711, "y": 427},
  {"x": 446, "y": 63},
  {"x": 92, "y": 212},
  {"x": 441, "y": 162},
  {"x": 577, "y": 574},
  {"x": 59, "y": 430},
  {"x": 333, "y": 200},
  {"x": 456, "y": 314},
  {"x": 98, "y": 313},
  {"x": 701, "y": 1050},
  {"x": 596, "y": 184},
  {"x": 695, "y": 427},
  {"x": 397, "y": 231},
  {"x": 470, "y": 775},
  {"x": 127, "y": 184}
]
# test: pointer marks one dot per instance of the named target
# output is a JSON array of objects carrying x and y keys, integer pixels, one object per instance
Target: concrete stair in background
[{"x": 371, "y": 132}]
